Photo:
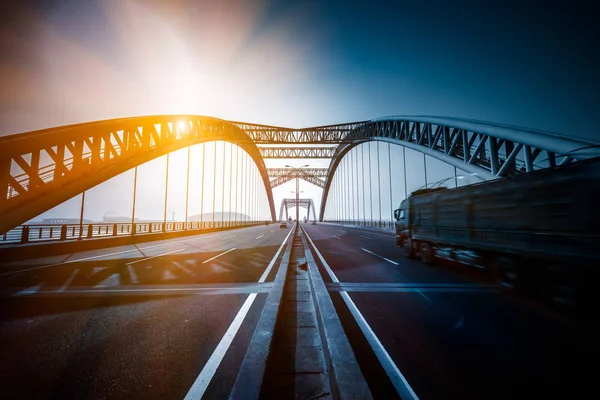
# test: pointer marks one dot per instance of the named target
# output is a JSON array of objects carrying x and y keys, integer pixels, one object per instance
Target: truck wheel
[
  {"x": 408, "y": 248},
  {"x": 426, "y": 252},
  {"x": 506, "y": 273}
]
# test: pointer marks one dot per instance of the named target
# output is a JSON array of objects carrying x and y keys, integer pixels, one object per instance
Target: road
[
  {"x": 450, "y": 333},
  {"x": 139, "y": 321},
  {"x": 154, "y": 320}
]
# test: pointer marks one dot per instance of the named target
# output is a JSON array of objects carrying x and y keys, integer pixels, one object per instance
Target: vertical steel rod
[
  {"x": 425, "y": 169},
  {"x": 370, "y": 184},
  {"x": 362, "y": 168},
  {"x": 164, "y": 228},
  {"x": 223, "y": 190},
  {"x": 214, "y": 184},
  {"x": 134, "y": 194},
  {"x": 187, "y": 188},
  {"x": 230, "y": 177},
  {"x": 379, "y": 181},
  {"x": 390, "y": 178},
  {"x": 404, "y": 161},
  {"x": 202, "y": 191},
  {"x": 81, "y": 213}
]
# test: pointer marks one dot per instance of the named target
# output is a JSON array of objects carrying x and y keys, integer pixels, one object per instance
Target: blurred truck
[{"x": 537, "y": 231}]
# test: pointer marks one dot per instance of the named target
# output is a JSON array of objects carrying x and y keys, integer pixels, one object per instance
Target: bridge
[{"x": 225, "y": 271}]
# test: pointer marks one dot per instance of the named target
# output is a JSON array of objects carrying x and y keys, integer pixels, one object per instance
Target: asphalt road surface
[
  {"x": 139, "y": 321},
  {"x": 449, "y": 332},
  {"x": 159, "y": 320}
]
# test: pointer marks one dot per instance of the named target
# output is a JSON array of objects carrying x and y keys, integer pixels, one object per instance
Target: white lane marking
[
  {"x": 398, "y": 380},
  {"x": 132, "y": 276},
  {"x": 218, "y": 255},
  {"x": 67, "y": 262},
  {"x": 156, "y": 245},
  {"x": 202, "y": 381},
  {"x": 208, "y": 372},
  {"x": 337, "y": 237},
  {"x": 149, "y": 258},
  {"x": 460, "y": 323},
  {"x": 366, "y": 237},
  {"x": 424, "y": 295},
  {"x": 229, "y": 237},
  {"x": 329, "y": 271},
  {"x": 68, "y": 282},
  {"x": 266, "y": 273},
  {"x": 272, "y": 230},
  {"x": 383, "y": 258},
  {"x": 258, "y": 237}
]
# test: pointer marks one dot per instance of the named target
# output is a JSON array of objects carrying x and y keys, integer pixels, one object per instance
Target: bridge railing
[
  {"x": 371, "y": 224},
  {"x": 60, "y": 232}
]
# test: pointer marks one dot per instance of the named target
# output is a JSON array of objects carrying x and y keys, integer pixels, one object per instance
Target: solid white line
[
  {"x": 258, "y": 237},
  {"x": 398, "y": 380},
  {"x": 266, "y": 273},
  {"x": 337, "y": 237},
  {"x": 273, "y": 230},
  {"x": 149, "y": 258},
  {"x": 229, "y": 237},
  {"x": 366, "y": 237},
  {"x": 383, "y": 258},
  {"x": 203, "y": 380},
  {"x": 218, "y": 255},
  {"x": 327, "y": 268},
  {"x": 67, "y": 262}
]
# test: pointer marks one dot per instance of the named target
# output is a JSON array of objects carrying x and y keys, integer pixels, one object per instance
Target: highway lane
[
  {"x": 449, "y": 334},
  {"x": 64, "y": 332}
]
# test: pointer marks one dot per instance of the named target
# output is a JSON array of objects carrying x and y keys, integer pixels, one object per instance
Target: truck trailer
[{"x": 537, "y": 230}]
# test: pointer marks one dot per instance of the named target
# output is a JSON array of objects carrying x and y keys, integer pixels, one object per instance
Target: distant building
[{"x": 64, "y": 221}]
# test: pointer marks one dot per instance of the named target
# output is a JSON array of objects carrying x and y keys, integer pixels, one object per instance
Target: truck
[{"x": 536, "y": 231}]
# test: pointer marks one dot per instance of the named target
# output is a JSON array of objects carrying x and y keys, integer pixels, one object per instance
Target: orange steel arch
[{"x": 85, "y": 155}]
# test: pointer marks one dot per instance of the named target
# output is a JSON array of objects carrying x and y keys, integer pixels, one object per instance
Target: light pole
[{"x": 297, "y": 190}]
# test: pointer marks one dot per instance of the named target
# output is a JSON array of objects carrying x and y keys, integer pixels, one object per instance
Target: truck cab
[{"x": 401, "y": 223}]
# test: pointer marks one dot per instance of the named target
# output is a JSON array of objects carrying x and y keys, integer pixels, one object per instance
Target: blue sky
[{"x": 300, "y": 63}]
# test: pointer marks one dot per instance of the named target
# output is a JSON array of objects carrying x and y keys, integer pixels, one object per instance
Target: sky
[{"x": 300, "y": 63}]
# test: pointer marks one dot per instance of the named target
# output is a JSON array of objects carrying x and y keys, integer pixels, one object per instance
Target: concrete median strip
[{"x": 345, "y": 376}]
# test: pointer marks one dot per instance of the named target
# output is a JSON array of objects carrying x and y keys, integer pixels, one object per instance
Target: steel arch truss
[
  {"x": 329, "y": 134},
  {"x": 297, "y": 152},
  {"x": 486, "y": 150},
  {"x": 286, "y": 204},
  {"x": 311, "y": 175},
  {"x": 56, "y": 164}
]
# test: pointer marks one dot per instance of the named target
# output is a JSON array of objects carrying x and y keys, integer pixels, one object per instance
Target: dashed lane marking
[{"x": 377, "y": 255}]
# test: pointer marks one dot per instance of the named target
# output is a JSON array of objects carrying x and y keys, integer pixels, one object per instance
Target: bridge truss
[
  {"x": 41, "y": 169},
  {"x": 286, "y": 204}
]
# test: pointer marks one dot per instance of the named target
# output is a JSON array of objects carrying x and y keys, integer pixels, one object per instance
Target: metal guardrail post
[
  {"x": 63, "y": 232},
  {"x": 25, "y": 234},
  {"x": 114, "y": 230},
  {"x": 132, "y": 229},
  {"x": 90, "y": 231}
]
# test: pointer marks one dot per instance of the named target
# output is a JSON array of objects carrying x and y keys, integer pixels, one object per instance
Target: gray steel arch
[
  {"x": 488, "y": 150},
  {"x": 99, "y": 151}
]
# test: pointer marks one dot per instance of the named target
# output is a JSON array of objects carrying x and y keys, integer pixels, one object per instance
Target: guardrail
[
  {"x": 372, "y": 224},
  {"x": 45, "y": 232}
]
